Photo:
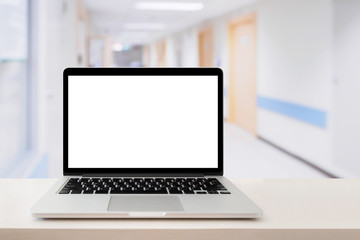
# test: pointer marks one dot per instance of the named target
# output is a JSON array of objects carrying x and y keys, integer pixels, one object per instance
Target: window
[{"x": 14, "y": 89}]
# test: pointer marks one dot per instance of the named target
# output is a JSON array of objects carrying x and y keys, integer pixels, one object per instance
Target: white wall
[
  {"x": 294, "y": 61},
  {"x": 60, "y": 52},
  {"x": 347, "y": 87},
  {"x": 296, "y": 41},
  {"x": 170, "y": 51},
  {"x": 153, "y": 55},
  {"x": 221, "y": 56},
  {"x": 38, "y": 82},
  {"x": 190, "y": 53},
  {"x": 295, "y": 65}
]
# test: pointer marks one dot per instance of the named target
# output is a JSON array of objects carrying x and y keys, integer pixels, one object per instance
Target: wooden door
[
  {"x": 242, "y": 84},
  {"x": 161, "y": 53},
  {"x": 206, "y": 48}
]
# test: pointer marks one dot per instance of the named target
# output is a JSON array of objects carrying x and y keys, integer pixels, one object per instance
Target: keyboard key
[
  {"x": 116, "y": 191},
  {"x": 225, "y": 193},
  {"x": 101, "y": 191},
  {"x": 88, "y": 191},
  {"x": 175, "y": 192},
  {"x": 161, "y": 191},
  {"x": 201, "y": 192},
  {"x": 212, "y": 192},
  {"x": 64, "y": 191},
  {"x": 188, "y": 192},
  {"x": 76, "y": 191},
  {"x": 73, "y": 180}
]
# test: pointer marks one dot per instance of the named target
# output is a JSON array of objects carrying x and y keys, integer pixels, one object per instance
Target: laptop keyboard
[{"x": 143, "y": 186}]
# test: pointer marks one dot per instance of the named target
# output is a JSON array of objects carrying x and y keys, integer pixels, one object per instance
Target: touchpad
[{"x": 144, "y": 203}]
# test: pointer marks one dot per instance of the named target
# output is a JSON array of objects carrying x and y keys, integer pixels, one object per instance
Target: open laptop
[{"x": 144, "y": 143}]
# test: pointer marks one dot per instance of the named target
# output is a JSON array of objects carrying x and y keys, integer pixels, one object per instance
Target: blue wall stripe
[{"x": 306, "y": 114}]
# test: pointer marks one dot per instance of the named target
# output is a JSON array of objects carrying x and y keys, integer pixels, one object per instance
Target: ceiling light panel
[
  {"x": 144, "y": 26},
  {"x": 170, "y": 6}
]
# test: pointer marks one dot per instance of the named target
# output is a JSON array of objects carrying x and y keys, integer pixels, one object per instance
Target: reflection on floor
[{"x": 248, "y": 157}]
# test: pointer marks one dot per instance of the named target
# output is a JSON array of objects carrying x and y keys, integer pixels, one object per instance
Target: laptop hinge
[{"x": 145, "y": 175}]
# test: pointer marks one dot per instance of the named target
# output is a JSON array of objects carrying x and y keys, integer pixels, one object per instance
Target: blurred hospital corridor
[{"x": 291, "y": 75}]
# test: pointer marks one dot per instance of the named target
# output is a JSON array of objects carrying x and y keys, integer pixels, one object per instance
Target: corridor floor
[{"x": 248, "y": 157}]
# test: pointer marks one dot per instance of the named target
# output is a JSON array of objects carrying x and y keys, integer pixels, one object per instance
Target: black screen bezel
[{"x": 134, "y": 72}]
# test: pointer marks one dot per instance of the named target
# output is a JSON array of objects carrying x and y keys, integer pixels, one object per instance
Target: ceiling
[{"x": 114, "y": 16}]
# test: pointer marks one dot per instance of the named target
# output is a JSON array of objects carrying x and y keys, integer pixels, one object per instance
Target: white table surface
[{"x": 293, "y": 209}]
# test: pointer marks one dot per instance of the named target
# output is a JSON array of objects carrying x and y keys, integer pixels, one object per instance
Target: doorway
[
  {"x": 161, "y": 53},
  {"x": 206, "y": 47},
  {"x": 242, "y": 72}
]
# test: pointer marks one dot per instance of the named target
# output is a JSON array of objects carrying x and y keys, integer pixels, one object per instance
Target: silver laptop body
[{"x": 144, "y": 143}]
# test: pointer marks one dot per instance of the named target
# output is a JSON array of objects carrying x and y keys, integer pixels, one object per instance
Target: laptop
[{"x": 143, "y": 143}]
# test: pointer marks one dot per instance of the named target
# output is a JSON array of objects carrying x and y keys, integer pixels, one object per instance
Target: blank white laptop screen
[{"x": 143, "y": 122}]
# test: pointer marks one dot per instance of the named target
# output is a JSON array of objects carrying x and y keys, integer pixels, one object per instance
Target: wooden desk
[{"x": 293, "y": 209}]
